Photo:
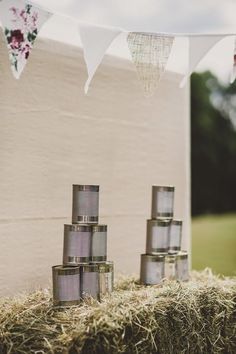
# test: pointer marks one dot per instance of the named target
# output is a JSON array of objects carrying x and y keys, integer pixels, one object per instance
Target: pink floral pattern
[{"x": 21, "y": 27}]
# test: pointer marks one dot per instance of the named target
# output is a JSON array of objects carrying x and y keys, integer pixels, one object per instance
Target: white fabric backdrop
[{"x": 52, "y": 135}]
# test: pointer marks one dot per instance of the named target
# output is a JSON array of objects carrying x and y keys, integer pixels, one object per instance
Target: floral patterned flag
[
  {"x": 150, "y": 53},
  {"x": 21, "y": 23}
]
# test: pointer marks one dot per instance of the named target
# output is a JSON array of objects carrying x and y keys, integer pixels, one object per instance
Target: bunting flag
[
  {"x": 21, "y": 24},
  {"x": 95, "y": 41},
  {"x": 233, "y": 73},
  {"x": 199, "y": 46},
  {"x": 150, "y": 53}
]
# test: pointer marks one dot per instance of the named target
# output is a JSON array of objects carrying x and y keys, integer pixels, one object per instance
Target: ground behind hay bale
[{"x": 194, "y": 317}]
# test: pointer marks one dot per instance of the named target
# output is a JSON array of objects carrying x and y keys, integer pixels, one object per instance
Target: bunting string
[{"x": 22, "y": 21}]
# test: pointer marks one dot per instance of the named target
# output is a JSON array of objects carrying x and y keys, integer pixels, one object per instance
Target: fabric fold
[
  {"x": 199, "y": 46},
  {"x": 95, "y": 40},
  {"x": 150, "y": 53}
]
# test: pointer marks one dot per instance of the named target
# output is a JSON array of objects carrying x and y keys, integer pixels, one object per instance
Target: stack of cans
[
  {"x": 163, "y": 258},
  {"x": 85, "y": 270}
]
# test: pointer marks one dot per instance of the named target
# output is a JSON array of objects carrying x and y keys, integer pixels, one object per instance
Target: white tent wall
[{"x": 52, "y": 135}]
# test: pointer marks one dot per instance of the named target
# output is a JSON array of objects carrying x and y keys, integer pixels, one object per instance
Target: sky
[{"x": 178, "y": 16}]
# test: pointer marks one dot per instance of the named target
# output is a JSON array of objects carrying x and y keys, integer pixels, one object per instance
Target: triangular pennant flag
[
  {"x": 233, "y": 73},
  {"x": 199, "y": 46},
  {"x": 21, "y": 22},
  {"x": 150, "y": 53},
  {"x": 95, "y": 41}
]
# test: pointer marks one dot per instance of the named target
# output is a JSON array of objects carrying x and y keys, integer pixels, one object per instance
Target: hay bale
[{"x": 194, "y": 317}]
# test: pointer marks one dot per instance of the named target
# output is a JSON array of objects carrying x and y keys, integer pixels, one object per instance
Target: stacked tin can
[
  {"x": 163, "y": 258},
  {"x": 85, "y": 271}
]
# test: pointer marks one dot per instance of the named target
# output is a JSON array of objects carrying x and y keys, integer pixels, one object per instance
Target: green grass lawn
[{"x": 214, "y": 243}]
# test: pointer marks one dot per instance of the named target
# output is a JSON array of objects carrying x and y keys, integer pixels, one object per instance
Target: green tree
[{"x": 213, "y": 137}]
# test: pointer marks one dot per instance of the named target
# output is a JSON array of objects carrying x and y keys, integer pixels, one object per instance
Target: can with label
[
  {"x": 99, "y": 243},
  {"x": 182, "y": 266},
  {"x": 77, "y": 244},
  {"x": 157, "y": 236},
  {"x": 66, "y": 285},
  {"x": 170, "y": 267},
  {"x": 90, "y": 281},
  {"x": 162, "y": 202},
  {"x": 85, "y": 204},
  {"x": 152, "y": 269},
  {"x": 175, "y": 236},
  {"x": 106, "y": 278}
]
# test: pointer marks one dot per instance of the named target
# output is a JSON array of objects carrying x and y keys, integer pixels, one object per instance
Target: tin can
[
  {"x": 66, "y": 285},
  {"x": 77, "y": 244},
  {"x": 175, "y": 236},
  {"x": 182, "y": 266},
  {"x": 85, "y": 204},
  {"x": 152, "y": 269},
  {"x": 99, "y": 243},
  {"x": 170, "y": 267},
  {"x": 90, "y": 281},
  {"x": 162, "y": 202},
  {"x": 106, "y": 278},
  {"x": 157, "y": 236}
]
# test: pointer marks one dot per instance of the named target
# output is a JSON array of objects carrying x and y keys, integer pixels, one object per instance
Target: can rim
[
  {"x": 89, "y": 268},
  {"x": 153, "y": 257},
  {"x": 182, "y": 255},
  {"x": 177, "y": 222},
  {"x": 169, "y": 188},
  {"x": 77, "y": 227},
  {"x": 159, "y": 222},
  {"x": 86, "y": 187},
  {"x": 66, "y": 270},
  {"x": 106, "y": 267},
  {"x": 99, "y": 228}
]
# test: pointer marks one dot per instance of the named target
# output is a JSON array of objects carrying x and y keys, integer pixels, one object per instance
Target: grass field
[{"x": 214, "y": 243}]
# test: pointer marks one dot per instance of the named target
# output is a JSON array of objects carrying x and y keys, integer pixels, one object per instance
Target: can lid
[
  {"x": 163, "y": 188},
  {"x": 65, "y": 270},
  {"x": 177, "y": 222},
  {"x": 153, "y": 258},
  {"x": 99, "y": 228},
  {"x": 86, "y": 187},
  {"x": 159, "y": 222},
  {"x": 77, "y": 227}
]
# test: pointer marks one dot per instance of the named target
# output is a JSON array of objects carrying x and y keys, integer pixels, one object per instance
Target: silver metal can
[
  {"x": 106, "y": 278},
  {"x": 162, "y": 202},
  {"x": 90, "y": 281},
  {"x": 85, "y": 204},
  {"x": 77, "y": 244},
  {"x": 175, "y": 236},
  {"x": 170, "y": 267},
  {"x": 66, "y": 285},
  {"x": 99, "y": 243},
  {"x": 182, "y": 266},
  {"x": 152, "y": 269},
  {"x": 157, "y": 236}
]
